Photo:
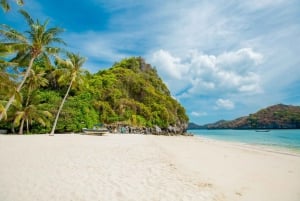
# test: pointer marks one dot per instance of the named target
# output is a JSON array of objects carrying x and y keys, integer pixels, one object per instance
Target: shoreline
[
  {"x": 126, "y": 167},
  {"x": 261, "y": 142},
  {"x": 255, "y": 146},
  {"x": 259, "y": 147}
]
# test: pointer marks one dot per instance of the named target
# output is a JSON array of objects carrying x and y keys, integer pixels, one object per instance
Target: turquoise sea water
[{"x": 289, "y": 139}]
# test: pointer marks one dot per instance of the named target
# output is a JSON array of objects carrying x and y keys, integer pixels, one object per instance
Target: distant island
[{"x": 278, "y": 116}]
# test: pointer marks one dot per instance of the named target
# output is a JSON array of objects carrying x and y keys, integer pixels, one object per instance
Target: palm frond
[
  {"x": 47, "y": 114},
  {"x": 3, "y": 111},
  {"x": 8, "y": 33},
  {"x": 5, "y": 6},
  {"x": 36, "y": 79},
  {"x": 18, "y": 97},
  {"x": 63, "y": 63},
  {"x": 5, "y": 64},
  {"x": 58, "y": 40},
  {"x": 22, "y": 58},
  {"x": 18, "y": 118},
  {"x": 52, "y": 50},
  {"x": 16, "y": 46},
  {"x": 43, "y": 117},
  {"x": 54, "y": 31},
  {"x": 46, "y": 61},
  {"x": 27, "y": 17}
]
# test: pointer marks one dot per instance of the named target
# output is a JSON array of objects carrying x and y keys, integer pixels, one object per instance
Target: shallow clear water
[{"x": 277, "y": 138}]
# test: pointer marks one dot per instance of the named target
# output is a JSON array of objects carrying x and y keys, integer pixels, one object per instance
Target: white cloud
[
  {"x": 201, "y": 74},
  {"x": 198, "y": 114},
  {"x": 239, "y": 57},
  {"x": 224, "y": 104},
  {"x": 172, "y": 65}
]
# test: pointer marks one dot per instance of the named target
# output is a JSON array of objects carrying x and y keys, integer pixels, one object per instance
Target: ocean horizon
[{"x": 277, "y": 138}]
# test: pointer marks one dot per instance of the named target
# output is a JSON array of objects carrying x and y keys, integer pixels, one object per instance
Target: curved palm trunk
[
  {"x": 27, "y": 126},
  {"x": 60, "y": 108},
  {"x": 21, "y": 127},
  {"x": 12, "y": 98}
]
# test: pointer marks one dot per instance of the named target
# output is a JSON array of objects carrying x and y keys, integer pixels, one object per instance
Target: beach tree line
[
  {"x": 44, "y": 89},
  {"x": 25, "y": 58}
]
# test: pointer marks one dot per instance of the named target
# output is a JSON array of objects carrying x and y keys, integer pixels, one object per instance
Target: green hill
[
  {"x": 131, "y": 91},
  {"x": 274, "y": 117}
]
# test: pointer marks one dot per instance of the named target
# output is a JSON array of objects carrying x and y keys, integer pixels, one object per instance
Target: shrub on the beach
[{"x": 78, "y": 113}]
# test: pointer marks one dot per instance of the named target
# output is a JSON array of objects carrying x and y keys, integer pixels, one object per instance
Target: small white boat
[
  {"x": 262, "y": 130},
  {"x": 95, "y": 131}
]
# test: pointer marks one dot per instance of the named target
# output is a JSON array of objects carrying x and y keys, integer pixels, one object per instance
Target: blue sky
[{"x": 220, "y": 59}]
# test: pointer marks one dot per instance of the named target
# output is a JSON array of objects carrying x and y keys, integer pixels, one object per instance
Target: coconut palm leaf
[
  {"x": 27, "y": 17},
  {"x": 18, "y": 117},
  {"x": 4, "y": 4},
  {"x": 3, "y": 111},
  {"x": 37, "y": 41},
  {"x": 10, "y": 34}
]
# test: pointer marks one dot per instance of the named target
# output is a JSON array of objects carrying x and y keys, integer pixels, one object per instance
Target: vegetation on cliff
[{"x": 132, "y": 91}]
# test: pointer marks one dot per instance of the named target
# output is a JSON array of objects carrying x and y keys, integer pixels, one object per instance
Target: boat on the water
[{"x": 262, "y": 130}]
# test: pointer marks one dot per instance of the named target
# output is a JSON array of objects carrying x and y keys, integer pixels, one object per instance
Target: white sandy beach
[{"x": 142, "y": 168}]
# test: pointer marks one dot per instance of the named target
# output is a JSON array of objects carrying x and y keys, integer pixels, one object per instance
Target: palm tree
[
  {"x": 71, "y": 71},
  {"x": 6, "y": 7},
  {"x": 29, "y": 114},
  {"x": 36, "y": 43},
  {"x": 31, "y": 111}
]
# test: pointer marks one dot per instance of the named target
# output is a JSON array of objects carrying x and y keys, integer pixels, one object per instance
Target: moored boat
[
  {"x": 95, "y": 131},
  {"x": 262, "y": 130}
]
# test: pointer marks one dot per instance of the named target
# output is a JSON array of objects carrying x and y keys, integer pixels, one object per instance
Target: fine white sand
[{"x": 142, "y": 168}]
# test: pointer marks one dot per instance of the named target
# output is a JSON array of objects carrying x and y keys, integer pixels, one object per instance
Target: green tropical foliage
[
  {"x": 43, "y": 95},
  {"x": 31, "y": 112},
  {"x": 71, "y": 72},
  {"x": 132, "y": 91},
  {"x": 34, "y": 44}
]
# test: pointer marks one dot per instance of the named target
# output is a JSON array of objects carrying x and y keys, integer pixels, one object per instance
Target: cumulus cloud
[
  {"x": 173, "y": 65},
  {"x": 202, "y": 74},
  {"x": 224, "y": 104}
]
